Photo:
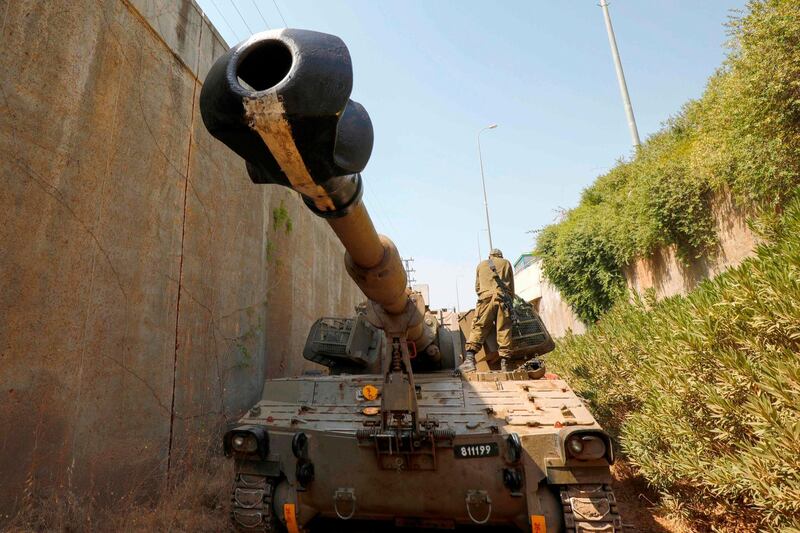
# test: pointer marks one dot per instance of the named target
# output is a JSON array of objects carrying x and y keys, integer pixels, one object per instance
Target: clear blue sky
[{"x": 433, "y": 73}]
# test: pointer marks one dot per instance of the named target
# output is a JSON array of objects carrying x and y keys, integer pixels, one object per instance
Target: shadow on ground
[{"x": 635, "y": 502}]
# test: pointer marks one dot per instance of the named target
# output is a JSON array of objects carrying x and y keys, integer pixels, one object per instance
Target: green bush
[
  {"x": 742, "y": 136},
  {"x": 703, "y": 391}
]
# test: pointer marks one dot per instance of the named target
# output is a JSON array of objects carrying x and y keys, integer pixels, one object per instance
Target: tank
[{"x": 392, "y": 433}]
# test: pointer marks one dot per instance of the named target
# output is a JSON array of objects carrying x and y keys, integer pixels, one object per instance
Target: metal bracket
[
  {"x": 344, "y": 495},
  {"x": 477, "y": 498}
]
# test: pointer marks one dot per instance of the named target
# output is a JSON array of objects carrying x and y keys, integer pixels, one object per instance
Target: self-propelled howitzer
[{"x": 323, "y": 446}]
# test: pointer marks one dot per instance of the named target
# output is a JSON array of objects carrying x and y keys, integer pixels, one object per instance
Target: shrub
[
  {"x": 742, "y": 136},
  {"x": 703, "y": 391}
]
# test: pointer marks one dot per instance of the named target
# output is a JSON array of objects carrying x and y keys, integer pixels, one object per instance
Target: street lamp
[
  {"x": 458, "y": 299},
  {"x": 623, "y": 87},
  {"x": 483, "y": 182}
]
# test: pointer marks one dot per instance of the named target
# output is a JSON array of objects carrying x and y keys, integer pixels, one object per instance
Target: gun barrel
[
  {"x": 372, "y": 260},
  {"x": 357, "y": 233},
  {"x": 288, "y": 91}
]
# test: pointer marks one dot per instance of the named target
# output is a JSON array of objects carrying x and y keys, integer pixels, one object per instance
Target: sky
[{"x": 433, "y": 73}]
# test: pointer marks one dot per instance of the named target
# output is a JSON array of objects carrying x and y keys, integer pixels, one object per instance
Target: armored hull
[{"x": 499, "y": 458}]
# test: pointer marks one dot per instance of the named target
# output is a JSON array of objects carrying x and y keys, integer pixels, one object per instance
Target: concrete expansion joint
[{"x": 180, "y": 267}]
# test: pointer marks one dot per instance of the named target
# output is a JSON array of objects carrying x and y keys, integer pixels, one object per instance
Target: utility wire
[
  {"x": 241, "y": 17},
  {"x": 261, "y": 14},
  {"x": 228, "y": 24},
  {"x": 279, "y": 13}
]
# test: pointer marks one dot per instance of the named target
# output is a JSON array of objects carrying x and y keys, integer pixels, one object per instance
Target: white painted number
[{"x": 477, "y": 450}]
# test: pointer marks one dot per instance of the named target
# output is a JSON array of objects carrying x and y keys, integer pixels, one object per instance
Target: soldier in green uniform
[{"x": 489, "y": 312}]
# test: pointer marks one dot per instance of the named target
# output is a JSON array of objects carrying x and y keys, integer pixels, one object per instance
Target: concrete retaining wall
[
  {"x": 666, "y": 274},
  {"x": 558, "y": 316},
  {"x": 146, "y": 286},
  {"x": 663, "y": 271},
  {"x": 533, "y": 287}
]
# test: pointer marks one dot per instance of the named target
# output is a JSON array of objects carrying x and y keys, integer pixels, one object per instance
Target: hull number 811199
[{"x": 468, "y": 451}]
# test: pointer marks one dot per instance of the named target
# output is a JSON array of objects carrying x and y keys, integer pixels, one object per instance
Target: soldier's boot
[
  {"x": 469, "y": 363},
  {"x": 504, "y": 364}
]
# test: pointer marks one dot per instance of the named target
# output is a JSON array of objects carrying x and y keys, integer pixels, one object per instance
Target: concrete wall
[
  {"x": 531, "y": 285},
  {"x": 667, "y": 274},
  {"x": 558, "y": 316},
  {"x": 528, "y": 281},
  {"x": 145, "y": 290},
  {"x": 663, "y": 271}
]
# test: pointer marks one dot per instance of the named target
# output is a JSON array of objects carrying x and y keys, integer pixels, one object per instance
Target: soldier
[{"x": 489, "y": 312}]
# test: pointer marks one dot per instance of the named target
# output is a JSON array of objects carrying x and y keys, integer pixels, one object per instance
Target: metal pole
[
  {"x": 623, "y": 87},
  {"x": 483, "y": 182},
  {"x": 480, "y": 255}
]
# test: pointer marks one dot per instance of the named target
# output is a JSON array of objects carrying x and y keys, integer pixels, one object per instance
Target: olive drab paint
[{"x": 391, "y": 433}]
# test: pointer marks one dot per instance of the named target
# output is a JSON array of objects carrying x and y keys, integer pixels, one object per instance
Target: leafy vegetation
[
  {"x": 741, "y": 137},
  {"x": 281, "y": 218},
  {"x": 703, "y": 391}
]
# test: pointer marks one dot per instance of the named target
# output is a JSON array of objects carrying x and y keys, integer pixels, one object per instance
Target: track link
[
  {"x": 251, "y": 504},
  {"x": 590, "y": 509}
]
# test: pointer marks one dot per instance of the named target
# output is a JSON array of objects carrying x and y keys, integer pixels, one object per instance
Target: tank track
[
  {"x": 590, "y": 509},
  {"x": 251, "y": 504}
]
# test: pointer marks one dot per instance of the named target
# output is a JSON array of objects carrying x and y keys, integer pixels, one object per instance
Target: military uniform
[{"x": 488, "y": 311}]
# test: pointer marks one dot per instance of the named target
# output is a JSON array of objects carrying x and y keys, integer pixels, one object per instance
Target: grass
[{"x": 197, "y": 500}]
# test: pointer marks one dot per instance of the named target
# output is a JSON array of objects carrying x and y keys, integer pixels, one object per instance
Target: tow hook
[
  {"x": 345, "y": 496},
  {"x": 475, "y": 500}
]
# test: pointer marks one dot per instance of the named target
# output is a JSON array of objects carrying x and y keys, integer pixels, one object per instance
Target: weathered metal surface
[
  {"x": 139, "y": 272},
  {"x": 335, "y": 418},
  {"x": 392, "y": 444},
  {"x": 335, "y": 403}
]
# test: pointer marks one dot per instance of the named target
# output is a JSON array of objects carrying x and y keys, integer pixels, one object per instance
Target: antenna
[{"x": 409, "y": 271}]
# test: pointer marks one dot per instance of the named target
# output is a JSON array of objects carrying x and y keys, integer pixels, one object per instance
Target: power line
[
  {"x": 261, "y": 14},
  {"x": 279, "y": 13},
  {"x": 228, "y": 24},
  {"x": 376, "y": 206},
  {"x": 241, "y": 17}
]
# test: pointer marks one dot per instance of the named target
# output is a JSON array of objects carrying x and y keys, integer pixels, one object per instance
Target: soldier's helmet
[{"x": 495, "y": 253}]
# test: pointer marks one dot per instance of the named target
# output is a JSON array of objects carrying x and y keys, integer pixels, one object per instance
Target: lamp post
[
  {"x": 458, "y": 299},
  {"x": 483, "y": 182},
  {"x": 623, "y": 87}
]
